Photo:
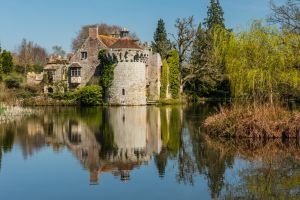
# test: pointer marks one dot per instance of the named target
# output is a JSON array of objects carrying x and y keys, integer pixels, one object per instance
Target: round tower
[{"x": 129, "y": 84}]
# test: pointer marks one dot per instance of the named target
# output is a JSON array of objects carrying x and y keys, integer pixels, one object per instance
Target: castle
[{"x": 136, "y": 75}]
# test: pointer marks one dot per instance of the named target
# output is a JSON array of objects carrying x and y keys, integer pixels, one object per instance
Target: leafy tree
[
  {"x": 262, "y": 64},
  {"x": 174, "y": 73},
  {"x": 287, "y": 15},
  {"x": 215, "y": 15},
  {"x": 7, "y": 62},
  {"x": 161, "y": 43}
]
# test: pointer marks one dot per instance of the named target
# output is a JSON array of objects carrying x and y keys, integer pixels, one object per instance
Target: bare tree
[
  {"x": 30, "y": 54},
  {"x": 288, "y": 15},
  {"x": 103, "y": 29},
  {"x": 183, "y": 39}
]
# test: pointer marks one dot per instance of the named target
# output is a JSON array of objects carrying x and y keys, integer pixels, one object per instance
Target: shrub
[
  {"x": 89, "y": 96},
  {"x": 20, "y": 69},
  {"x": 13, "y": 82}
]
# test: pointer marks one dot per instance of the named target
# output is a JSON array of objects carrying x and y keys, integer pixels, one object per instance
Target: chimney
[{"x": 93, "y": 32}]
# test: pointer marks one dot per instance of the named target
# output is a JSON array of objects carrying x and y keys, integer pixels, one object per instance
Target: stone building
[{"x": 136, "y": 76}]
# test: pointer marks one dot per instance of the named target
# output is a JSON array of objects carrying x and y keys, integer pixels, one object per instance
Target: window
[
  {"x": 123, "y": 91},
  {"x": 84, "y": 55},
  {"x": 75, "y": 72}
]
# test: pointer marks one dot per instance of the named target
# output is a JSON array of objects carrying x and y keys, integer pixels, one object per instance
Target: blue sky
[{"x": 56, "y": 22}]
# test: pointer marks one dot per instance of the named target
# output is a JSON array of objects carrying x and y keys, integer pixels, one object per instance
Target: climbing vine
[
  {"x": 164, "y": 79},
  {"x": 108, "y": 64},
  {"x": 174, "y": 73}
]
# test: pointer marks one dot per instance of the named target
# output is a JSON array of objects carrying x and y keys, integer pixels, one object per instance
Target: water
[{"x": 139, "y": 153}]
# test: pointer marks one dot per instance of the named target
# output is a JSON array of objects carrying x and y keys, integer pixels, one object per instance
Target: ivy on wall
[
  {"x": 164, "y": 79},
  {"x": 174, "y": 73},
  {"x": 108, "y": 64}
]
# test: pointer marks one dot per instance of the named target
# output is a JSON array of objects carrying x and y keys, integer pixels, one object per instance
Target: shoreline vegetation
[
  {"x": 254, "y": 121},
  {"x": 12, "y": 113}
]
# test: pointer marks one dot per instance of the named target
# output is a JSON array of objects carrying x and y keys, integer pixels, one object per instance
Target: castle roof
[
  {"x": 125, "y": 43},
  {"x": 107, "y": 40},
  {"x": 118, "y": 43}
]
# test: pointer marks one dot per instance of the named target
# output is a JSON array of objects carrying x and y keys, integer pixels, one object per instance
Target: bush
[
  {"x": 20, "y": 69},
  {"x": 89, "y": 95},
  {"x": 13, "y": 82}
]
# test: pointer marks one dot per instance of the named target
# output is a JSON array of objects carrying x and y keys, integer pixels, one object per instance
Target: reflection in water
[{"x": 118, "y": 140}]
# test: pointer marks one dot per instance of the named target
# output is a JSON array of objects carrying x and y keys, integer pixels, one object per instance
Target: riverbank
[
  {"x": 254, "y": 122},
  {"x": 12, "y": 113}
]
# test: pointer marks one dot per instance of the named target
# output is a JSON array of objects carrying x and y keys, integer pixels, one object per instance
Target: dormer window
[{"x": 84, "y": 55}]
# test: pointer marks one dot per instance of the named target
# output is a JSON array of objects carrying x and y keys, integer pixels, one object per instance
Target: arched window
[{"x": 123, "y": 91}]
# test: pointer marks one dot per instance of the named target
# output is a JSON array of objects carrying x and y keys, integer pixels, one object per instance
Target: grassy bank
[{"x": 254, "y": 122}]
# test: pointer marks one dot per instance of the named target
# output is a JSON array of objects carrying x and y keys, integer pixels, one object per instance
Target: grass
[
  {"x": 252, "y": 121},
  {"x": 170, "y": 102}
]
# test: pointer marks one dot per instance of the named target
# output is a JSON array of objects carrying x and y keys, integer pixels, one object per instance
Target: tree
[
  {"x": 287, "y": 16},
  {"x": 215, "y": 15},
  {"x": 7, "y": 62},
  {"x": 183, "y": 41},
  {"x": 30, "y": 54},
  {"x": 262, "y": 64},
  {"x": 161, "y": 43},
  {"x": 58, "y": 50}
]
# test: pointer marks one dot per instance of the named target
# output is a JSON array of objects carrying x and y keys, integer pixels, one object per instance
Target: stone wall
[
  {"x": 89, "y": 65},
  {"x": 153, "y": 77},
  {"x": 129, "y": 84}
]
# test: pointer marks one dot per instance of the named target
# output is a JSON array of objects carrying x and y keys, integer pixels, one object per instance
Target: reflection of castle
[{"x": 134, "y": 137}]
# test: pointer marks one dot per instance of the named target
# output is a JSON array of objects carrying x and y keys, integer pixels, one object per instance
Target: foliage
[
  {"x": 89, "y": 95},
  {"x": 6, "y": 62},
  {"x": 161, "y": 43},
  {"x": 262, "y": 64},
  {"x": 108, "y": 64},
  {"x": 174, "y": 73},
  {"x": 254, "y": 121},
  {"x": 164, "y": 79},
  {"x": 13, "y": 82},
  {"x": 214, "y": 15}
]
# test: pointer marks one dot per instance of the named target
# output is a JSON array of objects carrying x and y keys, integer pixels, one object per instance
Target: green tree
[
  {"x": 174, "y": 73},
  {"x": 58, "y": 50},
  {"x": 262, "y": 63},
  {"x": 215, "y": 15},
  {"x": 7, "y": 62},
  {"x": 161, "y": 43}
]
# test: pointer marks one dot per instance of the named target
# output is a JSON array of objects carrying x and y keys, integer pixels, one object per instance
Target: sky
[{"x": 56, "y": 22}]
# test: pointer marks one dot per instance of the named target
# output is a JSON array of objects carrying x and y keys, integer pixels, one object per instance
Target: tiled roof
[
  {"x": 75, "y": 65},
  {"x": 118, "y": 43},
  {"x": 125, "y": 43},
  {"x": 107, "y": 40}
]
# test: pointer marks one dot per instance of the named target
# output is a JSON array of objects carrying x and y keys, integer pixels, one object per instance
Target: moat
[{"x": 139, "y": 153}]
